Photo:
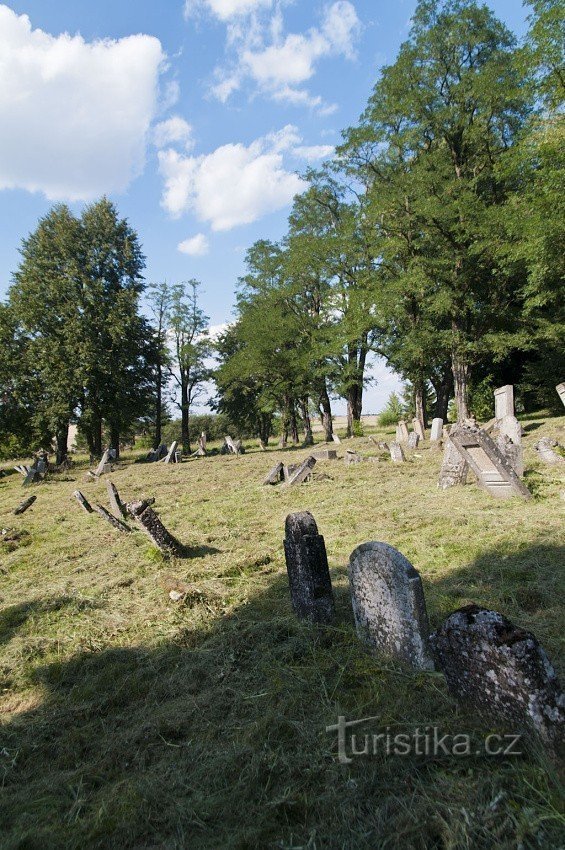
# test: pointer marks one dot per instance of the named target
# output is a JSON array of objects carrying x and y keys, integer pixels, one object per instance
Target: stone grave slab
[
  {"x": 494, "y": 472},
  {"x": 307, "y": 567}
]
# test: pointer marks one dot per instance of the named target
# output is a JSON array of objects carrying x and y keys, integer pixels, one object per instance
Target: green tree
[{"x": 159, "y": 299}]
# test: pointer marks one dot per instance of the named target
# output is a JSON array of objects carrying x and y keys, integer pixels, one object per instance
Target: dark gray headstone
[
  {"x": 500, "y": 671},
  {"x": 23, "y": 506},
  {"x": 307, "y": 567},
  {"x": 154, "y": 528},
  {"x": 389, "y": 605}
]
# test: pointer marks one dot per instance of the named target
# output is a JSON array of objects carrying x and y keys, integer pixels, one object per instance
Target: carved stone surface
[
  {"x": 83, "y": 501},
  {"x": 276, "y": 474},
  {"x": 514, "y": 454},
  {"x": 500, "y": 671},
  {"x": 419, "y": 429},
  {"x": 336, "y": 439},
  {"x": 511, "y": 428},
  {"x": 504, "y": 402},
  {"x": 118, "y": 524},
  {"x": 437, "y": 429},
  {"x": 561, "y": 391},
  {"x": 154, "y": 528},
  {"x": 544, "y": 448},
  {"x": 307, "y": 567},
  {"x": 118, "y": 508},
  {"x": 23, "y": 506},
  {"x": 303, "y": 472},
  {"x": 493, "y": 470},
  {"x": 396, "y": 453},
  {"x": 325, "y": 454},
  {"x": 454, "y": 467},
  {"x": 101, "y": 468},
  {"x": 389, "y": 605},
  {"x": 171, "y": 454},
  {"x": 402, "y": 432},
  {"x": 413, "y": 440}
]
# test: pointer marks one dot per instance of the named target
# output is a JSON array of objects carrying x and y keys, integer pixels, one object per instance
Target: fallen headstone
[
  {"x": 396, "y": 453},
  {"x": 117, "y": 523},
  {"x": 561, "y": 391},
  {"x": 23, "y": 506},
  {"x": 276, "y": 474},
  {"x": 32, "y": 477},
  {"x": 504, "y": 402},
  {"x": 352, "y": 457},
  {"x": 544, "y": 449},
  {"x": 289, "y": 469},
  {"x": 500, "y": 671},
  {"x": 437, "y": 429},
  {"x": 413, "y": 440},
  {"x": 494, "y": 472},
  {"x": 307, "y": 566},
  {"x": 454, "y": 467},
  {"x": 83, "y": 501},
  {"x": 302, "y": 473},
  {"x": 389, "y": 605},
  {"x": 116, "y": 503},
  {"x": 154, "y": 528}
]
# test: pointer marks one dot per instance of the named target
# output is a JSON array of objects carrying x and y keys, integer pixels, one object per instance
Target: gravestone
[
  {"x": 514, "y": 454},
  {"x": 307, "y": 567},
  {"x": 117, "y": 523},
  {"x": 419, "y": 429},
  {"x": 282, "y": 443},
  {"x": 336, "y": 439},
  {"x": 396, "y": 453},
  {"x": 401, "y": 432},
  {"x": 413, "y": 440},
  {"x": 437, "y": 430},
  {"x": 389, "y": 605},
  {"x": 154, "y": 528},
  {"x": 511, "y": 428},
  {"x": 162, "y": 451},
  {"x": 500, "y": 671},
  {"x": 504, "y": 402},
  {"x": 152, "y": 456},
  {"x": 32, "y": 477},
  {"x": 352, "y": 457},
  {"x": 103, "y": 465},
  {"x": 276, "y": 474},
  {"x": 544, "y": 449},
  {"x": 494, "y": 472},
  {"x": 289, "y": 469},
  {"x": 112, "y": 454},
  {"x": 118, "y": 508},
  {"x": 23, "y": 506},
  {"x": 83, "y": 501},
  {"x": 178, "y": 456},
  {"x": 561, "y": 391},
  {"x": 454, "y": 467},
  {"x": 171, "y": 454},
  {"x": 303, "y": 472},
  {"x": 232, "y": 448},
  {"x": 325, "y": 454}
]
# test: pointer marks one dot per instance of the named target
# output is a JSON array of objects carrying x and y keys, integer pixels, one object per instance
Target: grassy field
[{"x": 132, "y": 721}]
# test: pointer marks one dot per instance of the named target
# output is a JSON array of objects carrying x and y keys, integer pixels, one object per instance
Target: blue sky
[{"x": 196, "y": 117}]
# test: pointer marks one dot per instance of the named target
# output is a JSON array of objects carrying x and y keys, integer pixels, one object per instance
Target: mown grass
[{"x": 132, "y": 721}]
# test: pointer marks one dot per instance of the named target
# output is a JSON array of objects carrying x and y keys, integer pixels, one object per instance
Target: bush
[{"x": 393, "y": 411}]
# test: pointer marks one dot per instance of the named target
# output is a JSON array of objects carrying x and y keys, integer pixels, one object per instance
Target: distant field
[{"x": 131, "y": 721}]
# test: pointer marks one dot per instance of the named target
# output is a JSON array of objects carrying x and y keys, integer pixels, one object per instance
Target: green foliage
[{"x": 393, "y": 411}]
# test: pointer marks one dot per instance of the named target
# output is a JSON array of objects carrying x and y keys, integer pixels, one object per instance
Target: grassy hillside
[{"x": 133, "y": 721}]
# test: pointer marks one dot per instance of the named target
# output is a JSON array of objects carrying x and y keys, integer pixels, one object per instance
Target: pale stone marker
[
  {"x": 413, "y": 440},
  {"x": 231, "y": 447},
  {"x": 102, "y": 466},
  {"x": 335, "y": 438},
  {"x": 389, "y": 605},
  {"x": 561, "y": 390},
  {"x": 504, "y": 401},
  {"x": 454, "y": 467},
  {"x": 352, "y": 457},
  {"x": 307, "y": 567},
  {"x": 401, "y": 432},
  {"x": 303, "y": 472},
  {"x": 83, "y": 501},
  {"x": 511, "y": 428},
  {"x": 500, "y": 671},
  {"x": 171, "y": 456},
  {"x": 396, "y": 453},
  {"x": 437, "y": 430},
  {"x": 544, "y": 448},
  {"x": 494, "y": 472},
  {"x": 419, "y": 429},
  {"x": 201, "y": 451},
  {"x": 325, "y": 454},
  {"x": 276, "y": 474},
  {"x": 514, "y": 454},
  {"x": 118, "y": 508}
]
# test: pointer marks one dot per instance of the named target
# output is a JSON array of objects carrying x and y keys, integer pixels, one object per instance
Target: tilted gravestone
[
  {"x": 413, "y": 440},
  {"x": 500, "y": 671},
  {"x": 276, "y": 474},
  {"x": 23, "y": 506},
  {"x": 419, "y": 429},
  {"x": 437, "y": 429},
  {"x": 389, "y": 605},
  {"x": 396, "y": 453},
  {"x": 307, "y": 566},
  {"x": 171, "y": 454},
  {"x": 494, "y": 472},
  {"x": 162, "y": 451},
  {"x": 303, "y": 472},
  {"x": 561, "y": 391},
  {"x": 454, "y": 467},
  {"x": 201, "y": 451},
  {"x": 154, "y": 528},
  {"x": 289, "y": 469},
  {"x": 504, "y": 402},
  {"x": 336, "y": 439},
  {"x": 325, "y": 454},
  {"x": 117, "y": 523},
  {"x": 232, "y": 448},
  {"x": 544, "y": 449},
  {"x": 103, "y": 465},
  {"x": 83, "y": 502},
  {"x": 118, "y": 508}
]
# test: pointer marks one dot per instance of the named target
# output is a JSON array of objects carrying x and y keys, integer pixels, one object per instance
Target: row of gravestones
[{"x": 491, "y": 666}]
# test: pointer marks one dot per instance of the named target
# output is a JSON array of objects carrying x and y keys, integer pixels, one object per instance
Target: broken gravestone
[
  {"x": 544, "y": 448},
  {"x": 307, "y": 566},
  {"x": 413, "y": 440},
  {"x": 437, "y": 429},
  {"x": 201, "y": 451},
  {"x": 396, "y": 453},
  {"x": 154, "y": 528},
  {"x": 171, "y": 454},
  {"x": 117, "y": 523},
  {"x": 289, "y": 469},
  {"x": 103, "y": 465},
  {"x": 83, "y": 501},
  {"x": 513, "y": 453},
  {"x": 419, "y": 429},
  {"x": 389, "y": 605},
  {"x": 561, "y": 391},
  {"x": 454, "y": 467},
  {"x": 500, "y": 671},
  {"x": 276, "y": 474},
  {"x": 303, "y": 472},
  {"x": 493, "y": 470},
  {"x": 352, "y": 457}
]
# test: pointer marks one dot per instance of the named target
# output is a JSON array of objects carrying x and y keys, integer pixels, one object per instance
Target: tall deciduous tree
[{"x": 159, "y": 298}]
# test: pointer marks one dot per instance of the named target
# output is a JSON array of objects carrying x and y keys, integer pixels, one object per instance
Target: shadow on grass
[
  {"x": 14, "y": 617},
  {"x": 216, "y": 738}
]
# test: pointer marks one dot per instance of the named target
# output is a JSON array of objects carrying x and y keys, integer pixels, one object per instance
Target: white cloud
[
  {"x": 312, "y": 153},
  {"x": 196, "y": 246},
  {"x": 173, "y": 130},
  {"x": 234, "y": 185},
  {"x": 281, "y": 64},
  {"x": 224, "y": 10},
  {"x": 74, "y": 114}
]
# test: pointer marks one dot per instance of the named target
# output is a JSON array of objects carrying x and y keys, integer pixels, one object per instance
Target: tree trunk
[
  {"x": 97, "y": 435},
  {"x": 443, "y": 387},
  {"x": 115, "y": 438},
  {"x": 420, "y": 402},
  {"x": 62, "y": 439},
  {"x": 308, "y": 436},
  {"x": 264, "y": 427},
  {"x": 357, "y": 357},
  {"x": 185, "y": 434},
  {"x": 354, "y": 407},
  {"x": 461, "y": 386},
  {"x": 326, "y": 414},
  {"x": 158, "y": 411},
  {"x": 293, "y": 424}
]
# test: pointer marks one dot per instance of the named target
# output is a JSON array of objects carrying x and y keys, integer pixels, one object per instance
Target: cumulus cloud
[
  {"x": 74, "y": 114},
  {"x": 225, "y": 10},
  {"x": 195, "y": 246},
  {"x": 172, "y": 131},
  {"x": 234, "y": 185},
  {"x": 278, "y": 64},
  {"x": 313, "y": 153}
]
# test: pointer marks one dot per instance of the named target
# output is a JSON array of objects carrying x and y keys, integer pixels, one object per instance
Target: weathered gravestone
[
  {"x": 389, "y": 605},
  {"x": 303, "y": 472},
  {"x": 162, "y": 451},
  {"x": 454, "y": 467},
  {"x": 307, "y": 566},
  {"x": 118, "y": 508},
  {"x": 494, "y": 472},
  {"x": 325, "y": 454},
  {"x": 419, "y": 429},
  {"x": 231, "y": 447},
  {"x": 201, "y": 451},
  {"x": 152, "y": 456},
  {"x": 561, "y": 391},
  {"x": 511, "y": 428},
  {"x": 544, "y": 448},
  {"x": 413, "y": 440},
  {"x": 32, "y": 476},
  {"x": 437, "y": 430},
  {"x": 396, "y": 453},
  {"x": 500, "y": 671},
  {"x": 171, "y": 454},
  {"x": 23, "y": 506},
  {"x": 117, "y": 523},
  {"x": 103, "y": 465},
  {"x": 289, "y": 469},
  {"x": 276, "y": 474},
  {"x": 352, "y": 457},
  {"x": 83, "y": 501},
  {"x": 513, "y": 453},
  {"x": 401, "y": 432},
  {"x": 154, "y": 528},
  {"x": 336, "y": 439},
  {"x": 504, "y": 402}
]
